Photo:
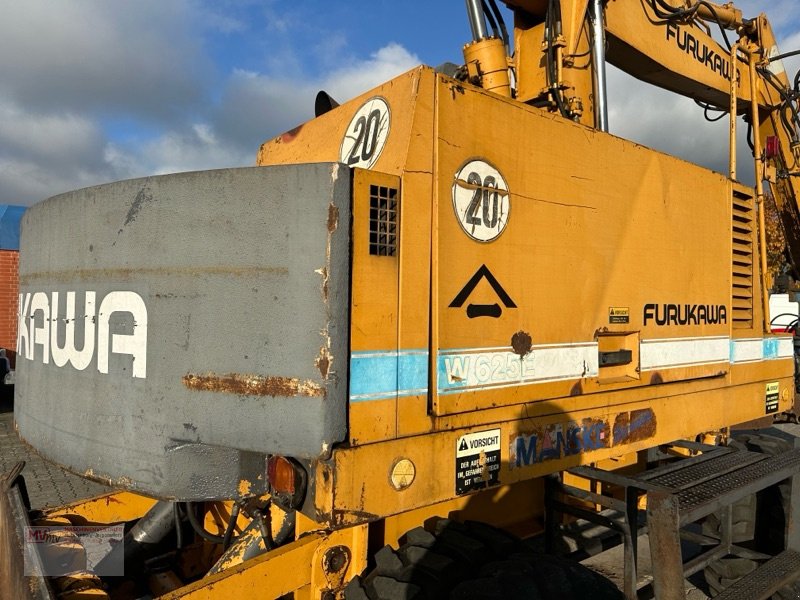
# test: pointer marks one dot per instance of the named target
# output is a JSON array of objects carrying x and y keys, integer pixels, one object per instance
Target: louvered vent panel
[{"x": 742, "y": 226}]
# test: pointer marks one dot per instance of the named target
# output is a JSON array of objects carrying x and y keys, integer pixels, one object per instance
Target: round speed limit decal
[
  {"x": 366, "y": 134},
  {"x": 481, "y": 200}
]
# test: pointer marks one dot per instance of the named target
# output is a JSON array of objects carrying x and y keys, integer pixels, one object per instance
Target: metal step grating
[
  {"x": 703, "y": 471},
  {"x": 737, "y": 484},
  {"x": 766, "y": 580}
]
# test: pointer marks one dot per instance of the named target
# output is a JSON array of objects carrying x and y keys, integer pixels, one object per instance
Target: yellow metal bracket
[{"x": 335, "y": 558}]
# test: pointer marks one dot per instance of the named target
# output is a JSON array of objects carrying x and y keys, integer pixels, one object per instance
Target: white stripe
[
  {"x": 683, "y": 352},
  {"x": 747, "y": 350},
  {"x": 785, "y": 347},
  {"x": 481, "y": 368}
]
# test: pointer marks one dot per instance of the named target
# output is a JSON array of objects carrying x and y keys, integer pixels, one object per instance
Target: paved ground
[{"x": 47, "y": 484}]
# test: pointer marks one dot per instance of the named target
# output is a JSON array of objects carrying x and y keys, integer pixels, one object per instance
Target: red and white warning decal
[{"x": 366, "y": 134}]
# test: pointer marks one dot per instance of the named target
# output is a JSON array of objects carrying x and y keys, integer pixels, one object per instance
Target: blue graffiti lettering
[{"x": 526, "y": 454}]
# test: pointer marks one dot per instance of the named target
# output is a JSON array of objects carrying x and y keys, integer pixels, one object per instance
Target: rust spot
[
  {"x": 289, "y": 136},
  {"x": 634, "y": 426},
  {"x": 324, "y": 284},
  {"x": 521, "y": 342},
  {"x": 656, "y": 378},
  {"x": 323, "y": 362},
  {"x": 252, "y": 385},
  {"x": 143, "y": 273},
  {"x": 577, "y": 389},
  {"x": 333, "y": 217}
]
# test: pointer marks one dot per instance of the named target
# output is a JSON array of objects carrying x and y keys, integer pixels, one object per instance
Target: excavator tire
[
  {"x": 474, "y": 561},
  {"x": 760, "y": 518}
]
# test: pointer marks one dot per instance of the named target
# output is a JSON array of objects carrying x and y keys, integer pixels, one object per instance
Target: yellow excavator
[{"x": 435, "y": 325}]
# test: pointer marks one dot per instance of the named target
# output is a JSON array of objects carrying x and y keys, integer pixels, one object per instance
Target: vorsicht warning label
[
  {"x": 772, "y": 396},
  {"x": 477, "y": 461}
]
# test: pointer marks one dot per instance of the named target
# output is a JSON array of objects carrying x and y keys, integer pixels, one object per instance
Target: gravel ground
[{"x": 47, "y": 484}]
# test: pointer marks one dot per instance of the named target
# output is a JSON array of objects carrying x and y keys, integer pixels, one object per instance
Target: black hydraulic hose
[
  {"x": 198, "y": 527},
  {"x": 178, "y": 530},
  {"x": 226, "y": 539},
  {"x": 552, "y": 69},
  {"x": 713, "y": 11},
  {"x": 785, "y": 55},
  {"x": 265, "y": 527},
  {"x": 669, "y": 13},
  {"x": 502, "y": 23},
  {"x": 788, "y": 104},
  {"x": 772, "y": 321},
  {"x": 707, "y": 108},
  {"x": 492, "y": 23}
]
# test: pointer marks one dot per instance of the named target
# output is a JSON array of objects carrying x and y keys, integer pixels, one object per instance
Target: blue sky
[{"x": 99, "y": 90}]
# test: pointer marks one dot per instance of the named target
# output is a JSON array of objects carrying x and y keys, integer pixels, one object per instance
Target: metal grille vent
[
  {"x": 742, "y": 237},
  {"x": 382, "y": 221}
]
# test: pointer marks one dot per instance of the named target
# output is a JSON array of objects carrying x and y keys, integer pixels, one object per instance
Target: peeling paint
[
  {"x": 289, "y": 136},
  {"x": 324, "y": 273},
  {"x": 634, "y": 426},
  {"x": 244, "y": 488},
  {"x": 144, "y": 196},
  {"x": 125, "y": 274},
  {"x": 323, "y": 362},
  {"x": 559, "y": 440},
  {"x": 333, "y": 217},
  {"x": 253, "y": 385}
]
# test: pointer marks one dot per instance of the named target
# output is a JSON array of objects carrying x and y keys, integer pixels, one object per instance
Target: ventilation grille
[
  {"x": 742, "y": 230},
  {"x": 382, "y": 221}
]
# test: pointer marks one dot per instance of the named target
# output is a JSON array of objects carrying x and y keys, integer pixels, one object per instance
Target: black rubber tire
[
  {"x": 474, "y": 561},
  {"x": 759, "y": 521}
]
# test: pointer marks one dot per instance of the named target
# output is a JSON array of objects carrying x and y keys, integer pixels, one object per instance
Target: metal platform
[
  {"x": 765, "y": 581},
  {"x": 678, "y": 494}
]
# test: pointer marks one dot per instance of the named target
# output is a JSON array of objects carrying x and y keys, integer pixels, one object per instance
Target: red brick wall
[{"x": 9, "y": 293}]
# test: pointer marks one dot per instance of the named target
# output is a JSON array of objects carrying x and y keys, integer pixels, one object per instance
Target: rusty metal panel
[
  {"x": 174, "y": 330},
  {"x": 15, "y": 578}
]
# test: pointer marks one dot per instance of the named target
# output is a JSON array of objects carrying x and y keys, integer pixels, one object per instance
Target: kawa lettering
[{"x": 41, "y": 323}]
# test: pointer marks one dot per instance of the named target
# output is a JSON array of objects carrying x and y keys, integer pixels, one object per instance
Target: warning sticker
[
  {"x": 477, "y": 461},
  {"x": 771, "y": 397},
  {"x": 619, "y": 314}
]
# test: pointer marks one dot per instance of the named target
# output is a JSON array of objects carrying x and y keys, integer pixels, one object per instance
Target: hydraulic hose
[{"x": 198, "y": 527}]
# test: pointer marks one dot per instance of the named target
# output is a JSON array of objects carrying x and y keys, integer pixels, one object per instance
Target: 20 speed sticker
[
  {"x": 481, "y": 200},
  {"x": 477, "y": 461},
  {"x": 366, "y": 134}
]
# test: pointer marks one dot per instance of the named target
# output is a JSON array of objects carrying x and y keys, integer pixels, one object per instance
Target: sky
[{"x": 93, "y": 91}]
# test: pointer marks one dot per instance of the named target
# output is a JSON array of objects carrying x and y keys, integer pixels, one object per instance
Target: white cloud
[
  {"x": 70, "y": 68},
  {"x": 253, "y": 108},
  {"x": 140, "y": 57}
]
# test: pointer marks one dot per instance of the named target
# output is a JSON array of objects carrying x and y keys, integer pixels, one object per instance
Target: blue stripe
[
  {"x": 770, "y": 348},
  {"x": 386, "y": 374}
]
